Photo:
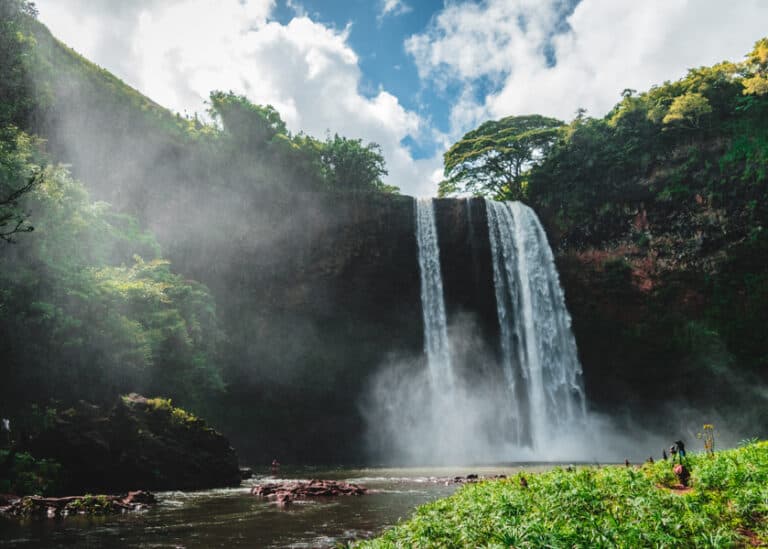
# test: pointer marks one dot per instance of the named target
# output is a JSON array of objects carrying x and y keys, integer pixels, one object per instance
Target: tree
[
  {"x": 18, "y": 176},
  {"x": 254, "y": 126},
  {"x": 259, "y": 142},
  {"x": 757, "y": 65},
  {"x": 492, "y": 159},
  {"x": 16, "y": 58},
  {"x": 13, "y": 219},
  {"x": 349, "y": 165},
  {"x": 688, "y": 110},
  {"x": 83, "y": 305}
]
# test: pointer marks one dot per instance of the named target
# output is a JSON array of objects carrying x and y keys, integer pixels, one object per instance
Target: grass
[{"x": 613, "y": 506}]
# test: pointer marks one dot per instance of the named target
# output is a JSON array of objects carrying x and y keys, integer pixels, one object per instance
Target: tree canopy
[
  {"x": 349, "y": 165},
  {"x": 18, "y": 176},
  {"x": 491, "y": 160},
  {"x": 256, "y": 134},
  {"x": 80, "y": 290},
  {"x": 16, "y": 60},
  {"x": 756, "y": 65}
]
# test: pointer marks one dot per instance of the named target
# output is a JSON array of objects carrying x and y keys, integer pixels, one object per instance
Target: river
[{"x": 233, "y": 518}]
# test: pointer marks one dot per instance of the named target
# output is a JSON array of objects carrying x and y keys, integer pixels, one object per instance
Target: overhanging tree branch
[{"x": 13, "y": 220}]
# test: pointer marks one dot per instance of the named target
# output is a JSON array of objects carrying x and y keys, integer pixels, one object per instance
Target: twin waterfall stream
[{"x": 544, "y": 392}]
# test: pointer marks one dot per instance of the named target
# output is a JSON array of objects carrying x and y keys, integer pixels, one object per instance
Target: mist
[
  {"x": 409, "y": 423},
  {"x": 413, "y": 419}
]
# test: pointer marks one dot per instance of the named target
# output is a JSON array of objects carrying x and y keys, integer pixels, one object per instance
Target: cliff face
[
  {"x": 667, "y": 316},
  {"x": 315, "y": 292},
  {"x": 319, "y": 291},
  {"x": 470, "y": 300}
]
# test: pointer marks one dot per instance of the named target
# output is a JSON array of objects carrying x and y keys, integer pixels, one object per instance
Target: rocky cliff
[{"x": 137, "y": 443}]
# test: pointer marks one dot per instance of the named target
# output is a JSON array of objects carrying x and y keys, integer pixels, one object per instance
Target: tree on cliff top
[
  {"x": 349, "y": 165},
  {"x": 757, "y": 67},
  {"x": 336, "y": 164},
  {"x": 492, "y": 159}
]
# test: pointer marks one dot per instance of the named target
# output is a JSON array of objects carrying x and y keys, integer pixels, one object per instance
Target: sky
[{"x": 411, "y": 75}]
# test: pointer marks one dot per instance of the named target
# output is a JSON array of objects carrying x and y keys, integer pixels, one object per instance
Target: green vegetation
[
  {"x": 96, "y": 317},
  {"x": 700, "y": 140},
  {"x": 165, "y": 406},
  {"x": 612, "y": 506},
  {"x": 658, "y": 212},
  {"x": 90, "y": 305},
  {"x": 254, "y": 137},
  {"x": 16, "y": 104},
  {"x": 493, "y": 159},
  {"x": 21, "y": 474},
  {"x": 17, "y": 93},
  {"x": 91, "y": 505}
]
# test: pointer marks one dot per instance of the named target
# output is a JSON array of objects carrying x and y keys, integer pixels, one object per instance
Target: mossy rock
[{"x": 138, "y": 443}]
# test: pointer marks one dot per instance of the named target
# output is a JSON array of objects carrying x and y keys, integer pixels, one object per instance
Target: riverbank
[{"x": 726, "y": 504}]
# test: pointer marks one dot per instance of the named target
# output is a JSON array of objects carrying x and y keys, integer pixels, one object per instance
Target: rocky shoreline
[{"x": 57, "y": 507}]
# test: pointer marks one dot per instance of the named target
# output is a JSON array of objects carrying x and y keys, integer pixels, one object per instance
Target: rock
[
  {"x": 136, "y": 443},
  {"x": 283, "y": 493},
  {"x": 37, "y": 506},
  {"x": 140, "y": 496}
]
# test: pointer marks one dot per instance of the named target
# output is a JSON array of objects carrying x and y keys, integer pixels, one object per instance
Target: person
[
  {"x": 6, "y": 428},
  {"x": 275, "y": 466},
  {"x": 680, "y": 445},
  {"x": 663, "y": 454}
]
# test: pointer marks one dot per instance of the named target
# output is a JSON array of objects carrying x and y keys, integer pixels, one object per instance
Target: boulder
[
  {"x": 283, "y": 493},
  {"x": 136, "y": 443}
]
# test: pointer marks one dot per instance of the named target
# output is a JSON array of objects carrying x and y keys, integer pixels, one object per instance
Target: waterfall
[
  {"x": 465, "y": 411},
  {"x": 436, "y": 345},
  {"x": 538, "y": 350}
]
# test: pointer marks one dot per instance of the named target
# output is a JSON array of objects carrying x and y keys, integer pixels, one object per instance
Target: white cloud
[
  {"x": 177, "y": 52},
  {"x": 607, "y": 46},
  {"x": 393, "y": 8}
]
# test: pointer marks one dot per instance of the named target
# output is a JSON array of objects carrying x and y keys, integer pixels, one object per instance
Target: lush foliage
[
  {"x": 613, "y": 506},
  {"x": 17, "y": 93},
  {"x": 18, "y": 176},
  {"x": 90, "y": 306},
  {"x": 17, "y": 101},
  {"x": 492, "y": 159},
  {"x": 257, "y": 136},
  {"x": 698, "y": 141},
  {"x": 86, "y": 315},
  {"x": 22, "y": 474},
  {"x": 661, "y": 206}
]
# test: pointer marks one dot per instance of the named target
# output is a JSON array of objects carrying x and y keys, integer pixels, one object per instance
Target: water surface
[{"x": 233, "y": 518}]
